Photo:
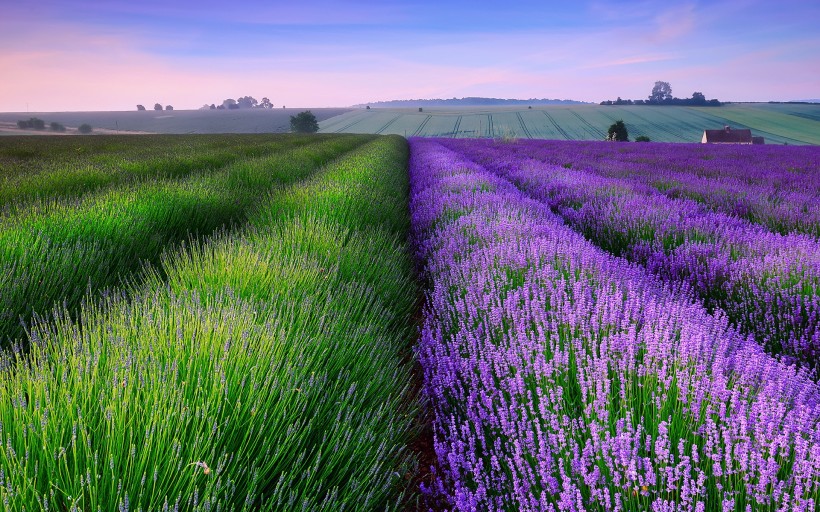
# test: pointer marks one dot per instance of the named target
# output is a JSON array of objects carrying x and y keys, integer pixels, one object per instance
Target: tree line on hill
[
  {"x": 228, "y": 104},
  {"x": 35, "y": 123},
  {"x": 157, "y": 106},
  {"x": 662, "y": 95},
  {"x": 240, "y": 103}
]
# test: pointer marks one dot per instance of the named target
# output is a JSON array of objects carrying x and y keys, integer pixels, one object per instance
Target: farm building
[{"x": 729, "y": 136}]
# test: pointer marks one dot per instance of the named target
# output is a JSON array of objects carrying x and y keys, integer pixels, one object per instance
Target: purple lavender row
[
  {"x": 767, "y": 283},
  {"x": 775, "y": 186},
  {"x": 563, "y": 378}
]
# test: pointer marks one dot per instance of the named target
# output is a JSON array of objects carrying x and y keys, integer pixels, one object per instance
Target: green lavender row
[
  {"x": 31, "y": 171},
  {"x": 255, "y": 371},
  {"x": 58, "y": 254}
]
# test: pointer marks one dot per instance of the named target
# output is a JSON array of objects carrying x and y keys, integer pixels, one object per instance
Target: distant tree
[
  {"x": 617, "y": 132},
  {"x": 169, "y": 107},
  {"x": 233, "y": 106},
  {"x": 213, "y": 107},
  {"x": 265, "y": 103},
  {"x": 140, "y": 107},
  {"x": 220, "y": 107},
  {"x": 661, "y": 92},
  {"x": 304, "y": 122},
  {"x": 157, "y": 106},
  {"x": 84, "y": 128},
  {"x": 529, "y": 108},
  {"x": 57, "y": 127},
  {"x": 420, "y": 109},
  {"x": 698, "y": 98},
  {"x": 642, "y": 138},
  {"x": 33, "y": 123},
  {"x": 227, "y": 103},
  {"x": 247, "y": 102},
  {"x": 368, "y": 107}
]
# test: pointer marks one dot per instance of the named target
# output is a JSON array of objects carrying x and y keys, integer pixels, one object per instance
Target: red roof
[{"x": 727, "y": 134}]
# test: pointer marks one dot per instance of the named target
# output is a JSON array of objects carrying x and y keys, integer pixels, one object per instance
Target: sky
[{"x": 75, "y": 55}]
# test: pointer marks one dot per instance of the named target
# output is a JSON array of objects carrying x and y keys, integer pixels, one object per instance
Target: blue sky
[{"x": 84, "y": 55}]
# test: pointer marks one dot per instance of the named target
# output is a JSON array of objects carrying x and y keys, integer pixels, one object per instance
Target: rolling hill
[{"x": 782, "y": 123}]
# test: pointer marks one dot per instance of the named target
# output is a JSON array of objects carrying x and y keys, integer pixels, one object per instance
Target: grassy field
[
  {"x": 53, "y": 250},
  {"x": 263, "y": 367},
  {"x": 777, "y": 123},
  {"x": 170, "y": 121}
]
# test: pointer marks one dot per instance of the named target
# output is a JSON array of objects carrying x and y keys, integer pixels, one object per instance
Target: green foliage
[
  {"x": 247, "y": 102},
  {"x": 617, "y": 132},
  {"x": 77, "y": 166},
  {"x": 304, "y": 122},
  {"x": 642, "y": 138},
  {"x": 33, "y": 123},
  {"x": 661, "y": 92},
  {"x": 257, "y": 370},
  {"x": 84, "y": 128},
  {"x": 57, "y": 127},
  {"x": 55, "y": 252}
]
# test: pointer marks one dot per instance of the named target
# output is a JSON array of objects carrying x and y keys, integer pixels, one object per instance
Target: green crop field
[
  {"x": 777, "y": 123},
  {"x": 190, "y": 327}
]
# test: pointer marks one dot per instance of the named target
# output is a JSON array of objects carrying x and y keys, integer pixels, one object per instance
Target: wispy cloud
[
  {"x": 674, "y": 24},
  {"x": 630, "y": 61},
  {"x": 78, "y": 54}
]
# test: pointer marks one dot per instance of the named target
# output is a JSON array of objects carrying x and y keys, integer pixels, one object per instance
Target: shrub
[
  {"x": 32, "y": 123},
  {"x": 617, "y": 132},
  {"x": 140, "y": 107},
  {"x": 57, "y": 127},
  {"x": 84, "y": 128},
  {"x": 642, "y": 138},
  {"x": 304, "y": 122}
]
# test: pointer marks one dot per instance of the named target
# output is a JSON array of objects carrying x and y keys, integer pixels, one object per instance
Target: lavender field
[{"x": 619, "y": 327}]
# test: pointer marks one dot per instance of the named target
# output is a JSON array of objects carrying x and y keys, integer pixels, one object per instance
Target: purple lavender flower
[{"x": 564, "y": 378}]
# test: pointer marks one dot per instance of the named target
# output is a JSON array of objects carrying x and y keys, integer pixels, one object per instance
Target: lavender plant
[
  {"x": 775, "y": 186},
  {"x": 34, "y": 174},
  {"x": 767, "y": 283},
  {"x": 260, "y": 370},
  {"x": 563, "y": 378},
  {"x": 54, "y": 255}
]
